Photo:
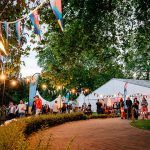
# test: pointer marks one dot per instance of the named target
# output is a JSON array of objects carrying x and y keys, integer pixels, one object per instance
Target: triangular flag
[
  {"x": 18, "y": 31},
  {"x": 35, "y": 22},
  {"x": 57, "y": 10},
  {"x": 0, "y": 29},
  {"x": 6, "y": 29}
]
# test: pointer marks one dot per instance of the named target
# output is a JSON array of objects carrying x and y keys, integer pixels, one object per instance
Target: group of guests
[
  {"x": 38, "y": 108},
  {"x": 13, "y": 111},
  {"x": 132, "y": 108},
  {"x": 129, "y": 110},
  {"x": 102, "y": 108}
]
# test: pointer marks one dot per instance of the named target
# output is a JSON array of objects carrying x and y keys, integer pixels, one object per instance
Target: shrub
[{"x": 13, "y": 136}]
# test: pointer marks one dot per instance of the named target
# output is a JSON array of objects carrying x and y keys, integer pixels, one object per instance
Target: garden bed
[{"x": 14, "y": 135}]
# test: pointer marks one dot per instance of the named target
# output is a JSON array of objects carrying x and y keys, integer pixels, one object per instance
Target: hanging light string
[{"x": 26, "y": 15}]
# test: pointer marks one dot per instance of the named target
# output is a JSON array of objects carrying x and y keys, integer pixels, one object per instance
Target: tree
[{"x": 83, "y": 55}]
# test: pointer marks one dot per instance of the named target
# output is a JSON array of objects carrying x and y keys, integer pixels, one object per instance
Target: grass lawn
[{"x": 142, "y": 124}]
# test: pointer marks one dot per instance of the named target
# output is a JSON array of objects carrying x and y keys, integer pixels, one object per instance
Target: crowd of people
[
  {"x": 22, "y": 109},
  {"x": 131, "y": 111},
  {"x": 127, "y": 109}
]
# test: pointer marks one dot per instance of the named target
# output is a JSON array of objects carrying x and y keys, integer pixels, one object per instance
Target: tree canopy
[{"x": 102, "y": 39}]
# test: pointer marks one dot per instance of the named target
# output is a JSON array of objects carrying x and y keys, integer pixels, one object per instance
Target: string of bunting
[
  {"x": 120, "y": 95},
  {"x": 56, "y": 7}
]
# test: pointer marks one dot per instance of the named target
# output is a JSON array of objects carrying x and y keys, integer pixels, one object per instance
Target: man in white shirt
[{"x": 21, "y": 108}]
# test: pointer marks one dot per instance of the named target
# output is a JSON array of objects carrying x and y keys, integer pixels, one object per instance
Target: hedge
[{"x": 14, "y": 135}]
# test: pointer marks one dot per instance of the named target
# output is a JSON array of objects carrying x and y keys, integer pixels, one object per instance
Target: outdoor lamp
[
  {"x": 59, "y": 87},
  {"x": 73, "y": 90},
  {"x": 3, "y": 77},
  {"x": 44, "y": 86},
  {"x": 86, "y": 90},
  {"x": 13, "y": 83},
  {"x": 28, "y": 80}
]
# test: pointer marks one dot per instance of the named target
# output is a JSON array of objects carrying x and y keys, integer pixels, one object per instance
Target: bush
[{"x": 13, "y": 136}]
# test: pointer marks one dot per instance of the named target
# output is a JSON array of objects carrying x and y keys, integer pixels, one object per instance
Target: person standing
[
  {"x": 122, "y": 109},
  {"x": 144, "y": 108},
  {"x": 129, "y": 107},
  {"x": 55, "y": 108},
  {"x": 21, "y": 109},
  {"x": 38, "y": 104},
  {"x": 64, "y": 108},
  {"x": 11, "y": 111},
  {"x": 135, "y": 109},
  {"x": 33, "y": 108},
  {"x": 99, "y": 105}
]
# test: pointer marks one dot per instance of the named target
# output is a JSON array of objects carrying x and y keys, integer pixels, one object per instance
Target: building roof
[{"x": 144, "y": 83}]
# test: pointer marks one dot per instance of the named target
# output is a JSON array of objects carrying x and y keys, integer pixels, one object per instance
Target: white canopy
[
  {"x": 43, "y": 100},
  {"x": 58, "y": 99},
  {"x": 115, "y": 87},
  {"x": 80, "y": 99}
]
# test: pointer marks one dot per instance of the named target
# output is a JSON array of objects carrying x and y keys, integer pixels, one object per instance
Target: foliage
[
  {"x": 13, "y": 135},
  {"x": 14, "y": 93},
  {"x": 142, "y": 124},
  {"x": 102, "y": 40},
  {"x": 83, "y": 55}
]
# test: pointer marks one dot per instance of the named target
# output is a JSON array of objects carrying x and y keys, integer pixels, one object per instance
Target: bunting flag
[
  {"x": 6, "y": 29},
  {"x": 57, "y": 10},
  {"x": 35, "y": 22},
  {"x": 18, "y": 31},
  {"x": 56, "y": 7},
  {"x": 0, "y": 29}
]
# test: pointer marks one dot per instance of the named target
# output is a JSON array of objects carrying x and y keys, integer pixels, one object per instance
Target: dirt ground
[{"x": 95, "y": 134}]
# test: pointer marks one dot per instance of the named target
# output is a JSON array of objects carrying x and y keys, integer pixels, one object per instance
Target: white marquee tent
[
  {"x": 58, "y": 99},
  {"x": 115, "y": 88},
  {"x": 43, "y": 100},
  {"x": 80, "y": 99}
]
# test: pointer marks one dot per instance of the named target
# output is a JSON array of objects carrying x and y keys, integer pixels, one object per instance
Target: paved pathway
[{"x": 95, "y": 134}]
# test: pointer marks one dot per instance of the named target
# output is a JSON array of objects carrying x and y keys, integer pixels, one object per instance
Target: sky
[{"x": 31, "y": 66}]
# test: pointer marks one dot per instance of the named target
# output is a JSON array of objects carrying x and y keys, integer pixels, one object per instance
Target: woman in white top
[
  {"x": 55, "y": 108},
  {"x": 11, "y": 111}
]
